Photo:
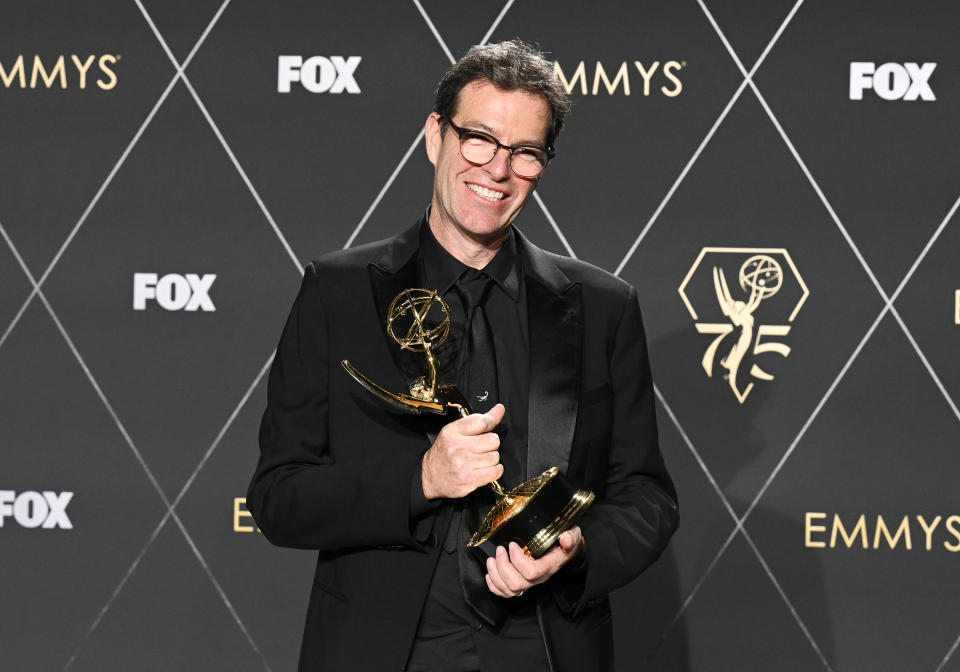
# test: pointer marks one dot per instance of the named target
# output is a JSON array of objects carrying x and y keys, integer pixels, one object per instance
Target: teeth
[{"x": 488, "y": 194}]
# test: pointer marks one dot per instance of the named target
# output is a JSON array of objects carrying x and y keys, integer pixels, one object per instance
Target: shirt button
[{"x": 478, "y": 626}]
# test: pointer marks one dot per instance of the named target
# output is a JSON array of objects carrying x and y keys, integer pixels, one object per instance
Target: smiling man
[
  {"x": 479, "y": 190},
  {"x": 551, "y": 354}
]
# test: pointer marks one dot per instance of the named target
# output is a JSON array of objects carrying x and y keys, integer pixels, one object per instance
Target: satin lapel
[{"x": 555, "y": 320}]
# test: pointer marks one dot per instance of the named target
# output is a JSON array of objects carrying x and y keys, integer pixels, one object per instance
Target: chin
[
  {"x": 486, "y": 231},
  {"x": 484, "y": 224}
]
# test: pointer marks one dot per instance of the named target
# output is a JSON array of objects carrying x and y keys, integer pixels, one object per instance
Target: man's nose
[{"x": 499, "y": 165}]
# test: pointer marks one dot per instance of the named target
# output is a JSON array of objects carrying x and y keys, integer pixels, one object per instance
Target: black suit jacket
[{"x": 336, "y": 465}]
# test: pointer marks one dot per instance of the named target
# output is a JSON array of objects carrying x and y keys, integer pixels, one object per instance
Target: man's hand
[
  {"x": 464, "y": 456},
  {"x": 509, "y": 573}
]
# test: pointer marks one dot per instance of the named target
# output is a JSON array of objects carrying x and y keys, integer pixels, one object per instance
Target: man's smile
[{"x": 485, "y": 193}]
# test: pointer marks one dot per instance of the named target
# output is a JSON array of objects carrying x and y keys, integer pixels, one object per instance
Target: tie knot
[{"x": 474, "y": 286}]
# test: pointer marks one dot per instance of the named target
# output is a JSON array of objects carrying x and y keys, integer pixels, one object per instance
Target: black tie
[
  {"x": 480, "y": 379},
  {"x": 480, "y": 387}
]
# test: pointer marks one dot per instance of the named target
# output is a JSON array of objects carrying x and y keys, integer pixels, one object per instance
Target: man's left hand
[{"x": 510, "y": 572}]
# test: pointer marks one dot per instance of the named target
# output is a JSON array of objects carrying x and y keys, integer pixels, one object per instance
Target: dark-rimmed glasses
[{"x": 479, "y": 148}]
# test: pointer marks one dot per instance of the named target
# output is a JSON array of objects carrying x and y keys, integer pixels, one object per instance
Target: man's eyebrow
[{"x": 480, "y": 126}]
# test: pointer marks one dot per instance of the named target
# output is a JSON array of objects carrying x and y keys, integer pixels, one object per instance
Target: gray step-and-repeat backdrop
[{"x": 778, "y": 179}]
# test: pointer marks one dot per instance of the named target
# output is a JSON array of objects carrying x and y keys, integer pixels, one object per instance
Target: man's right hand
[{"x": 464, "y": 456}]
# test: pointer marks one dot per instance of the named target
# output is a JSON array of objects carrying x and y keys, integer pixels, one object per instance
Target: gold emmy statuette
[{"x": 535, "y": 513}]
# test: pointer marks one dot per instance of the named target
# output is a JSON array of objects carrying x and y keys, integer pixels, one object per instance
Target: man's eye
[
  {"x": 475, "y": 139},
  {"x": 530, "y": 154}
]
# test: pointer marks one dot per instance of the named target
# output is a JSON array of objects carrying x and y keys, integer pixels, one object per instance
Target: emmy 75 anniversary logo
[{"x": 745, "y": 298}]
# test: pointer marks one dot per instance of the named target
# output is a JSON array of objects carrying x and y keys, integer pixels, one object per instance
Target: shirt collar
[{"x": 441, "y": 269}]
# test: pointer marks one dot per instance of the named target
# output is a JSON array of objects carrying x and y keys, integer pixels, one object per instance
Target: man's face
[{"x": 514, "y": 118}]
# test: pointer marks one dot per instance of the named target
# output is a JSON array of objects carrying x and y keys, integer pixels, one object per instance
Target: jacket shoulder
[
  {"x": 353, "y": 258},
  {"x": 593, "y": 278}
]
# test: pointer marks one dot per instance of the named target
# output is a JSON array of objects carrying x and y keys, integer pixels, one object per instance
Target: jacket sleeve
[
  {"x": 627, "y": 528},
  {"x": 301, "y": 495}
]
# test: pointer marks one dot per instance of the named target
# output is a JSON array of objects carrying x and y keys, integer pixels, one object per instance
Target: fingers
[
  {"x": 494, "y": 582},
  {"x": 570, "y": 545},
  {"x": 486, "y": 459},
  {"x": 487, "y": 475},
  {"x": 529, "y": 569},
  {"x": 502, "y": 577},
  {"x": 464, "y": 457},
  {"x": 511, "y": 571},
  {"x": 484, "y": 443},
  {"x": 571, "y": 540},
  {"x": 493, "y": 587},
  {"x": 461, "y": 435}
]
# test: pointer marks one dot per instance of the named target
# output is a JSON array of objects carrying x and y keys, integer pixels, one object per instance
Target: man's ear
[{"x": 433, "y": 137}]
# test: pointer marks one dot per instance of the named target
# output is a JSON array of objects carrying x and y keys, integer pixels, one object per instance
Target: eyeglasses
[{"x": 479, "y": 148}]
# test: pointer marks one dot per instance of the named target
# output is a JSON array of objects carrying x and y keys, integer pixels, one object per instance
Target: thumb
[
  {"x": 480, "y": 423},
  {"x": 496, "y": 415}
]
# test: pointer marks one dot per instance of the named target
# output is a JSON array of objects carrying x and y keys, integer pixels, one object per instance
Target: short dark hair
[{"x": 510, "y": 66}]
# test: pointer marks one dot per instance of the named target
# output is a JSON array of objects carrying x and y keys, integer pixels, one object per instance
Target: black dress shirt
[
  {"x": 506, "y": 310},
  {"x": 450, "y": 635}
]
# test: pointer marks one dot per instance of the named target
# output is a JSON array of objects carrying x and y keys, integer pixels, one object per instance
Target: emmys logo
[
  {"x": 47, "y": 510},
  {"x": 668, "y": 73},
  {"x": 767, "y": 294},
  {"x": 173, "y": 291},
  {"x": 318, "y": 74},
  {"x": 50, "y": 75},
  {"x": 892, "y": 81},
  {"x": 822, "y": 531}
]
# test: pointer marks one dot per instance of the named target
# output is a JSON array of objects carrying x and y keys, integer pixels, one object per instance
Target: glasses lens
[
  {"x": 480, "y": 148},
  {"x": 477, "y": 148},
  {"x": 528, "y": 161}
]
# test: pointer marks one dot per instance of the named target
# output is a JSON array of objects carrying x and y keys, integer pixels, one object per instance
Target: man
[{"x": 388, "y": 499}]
